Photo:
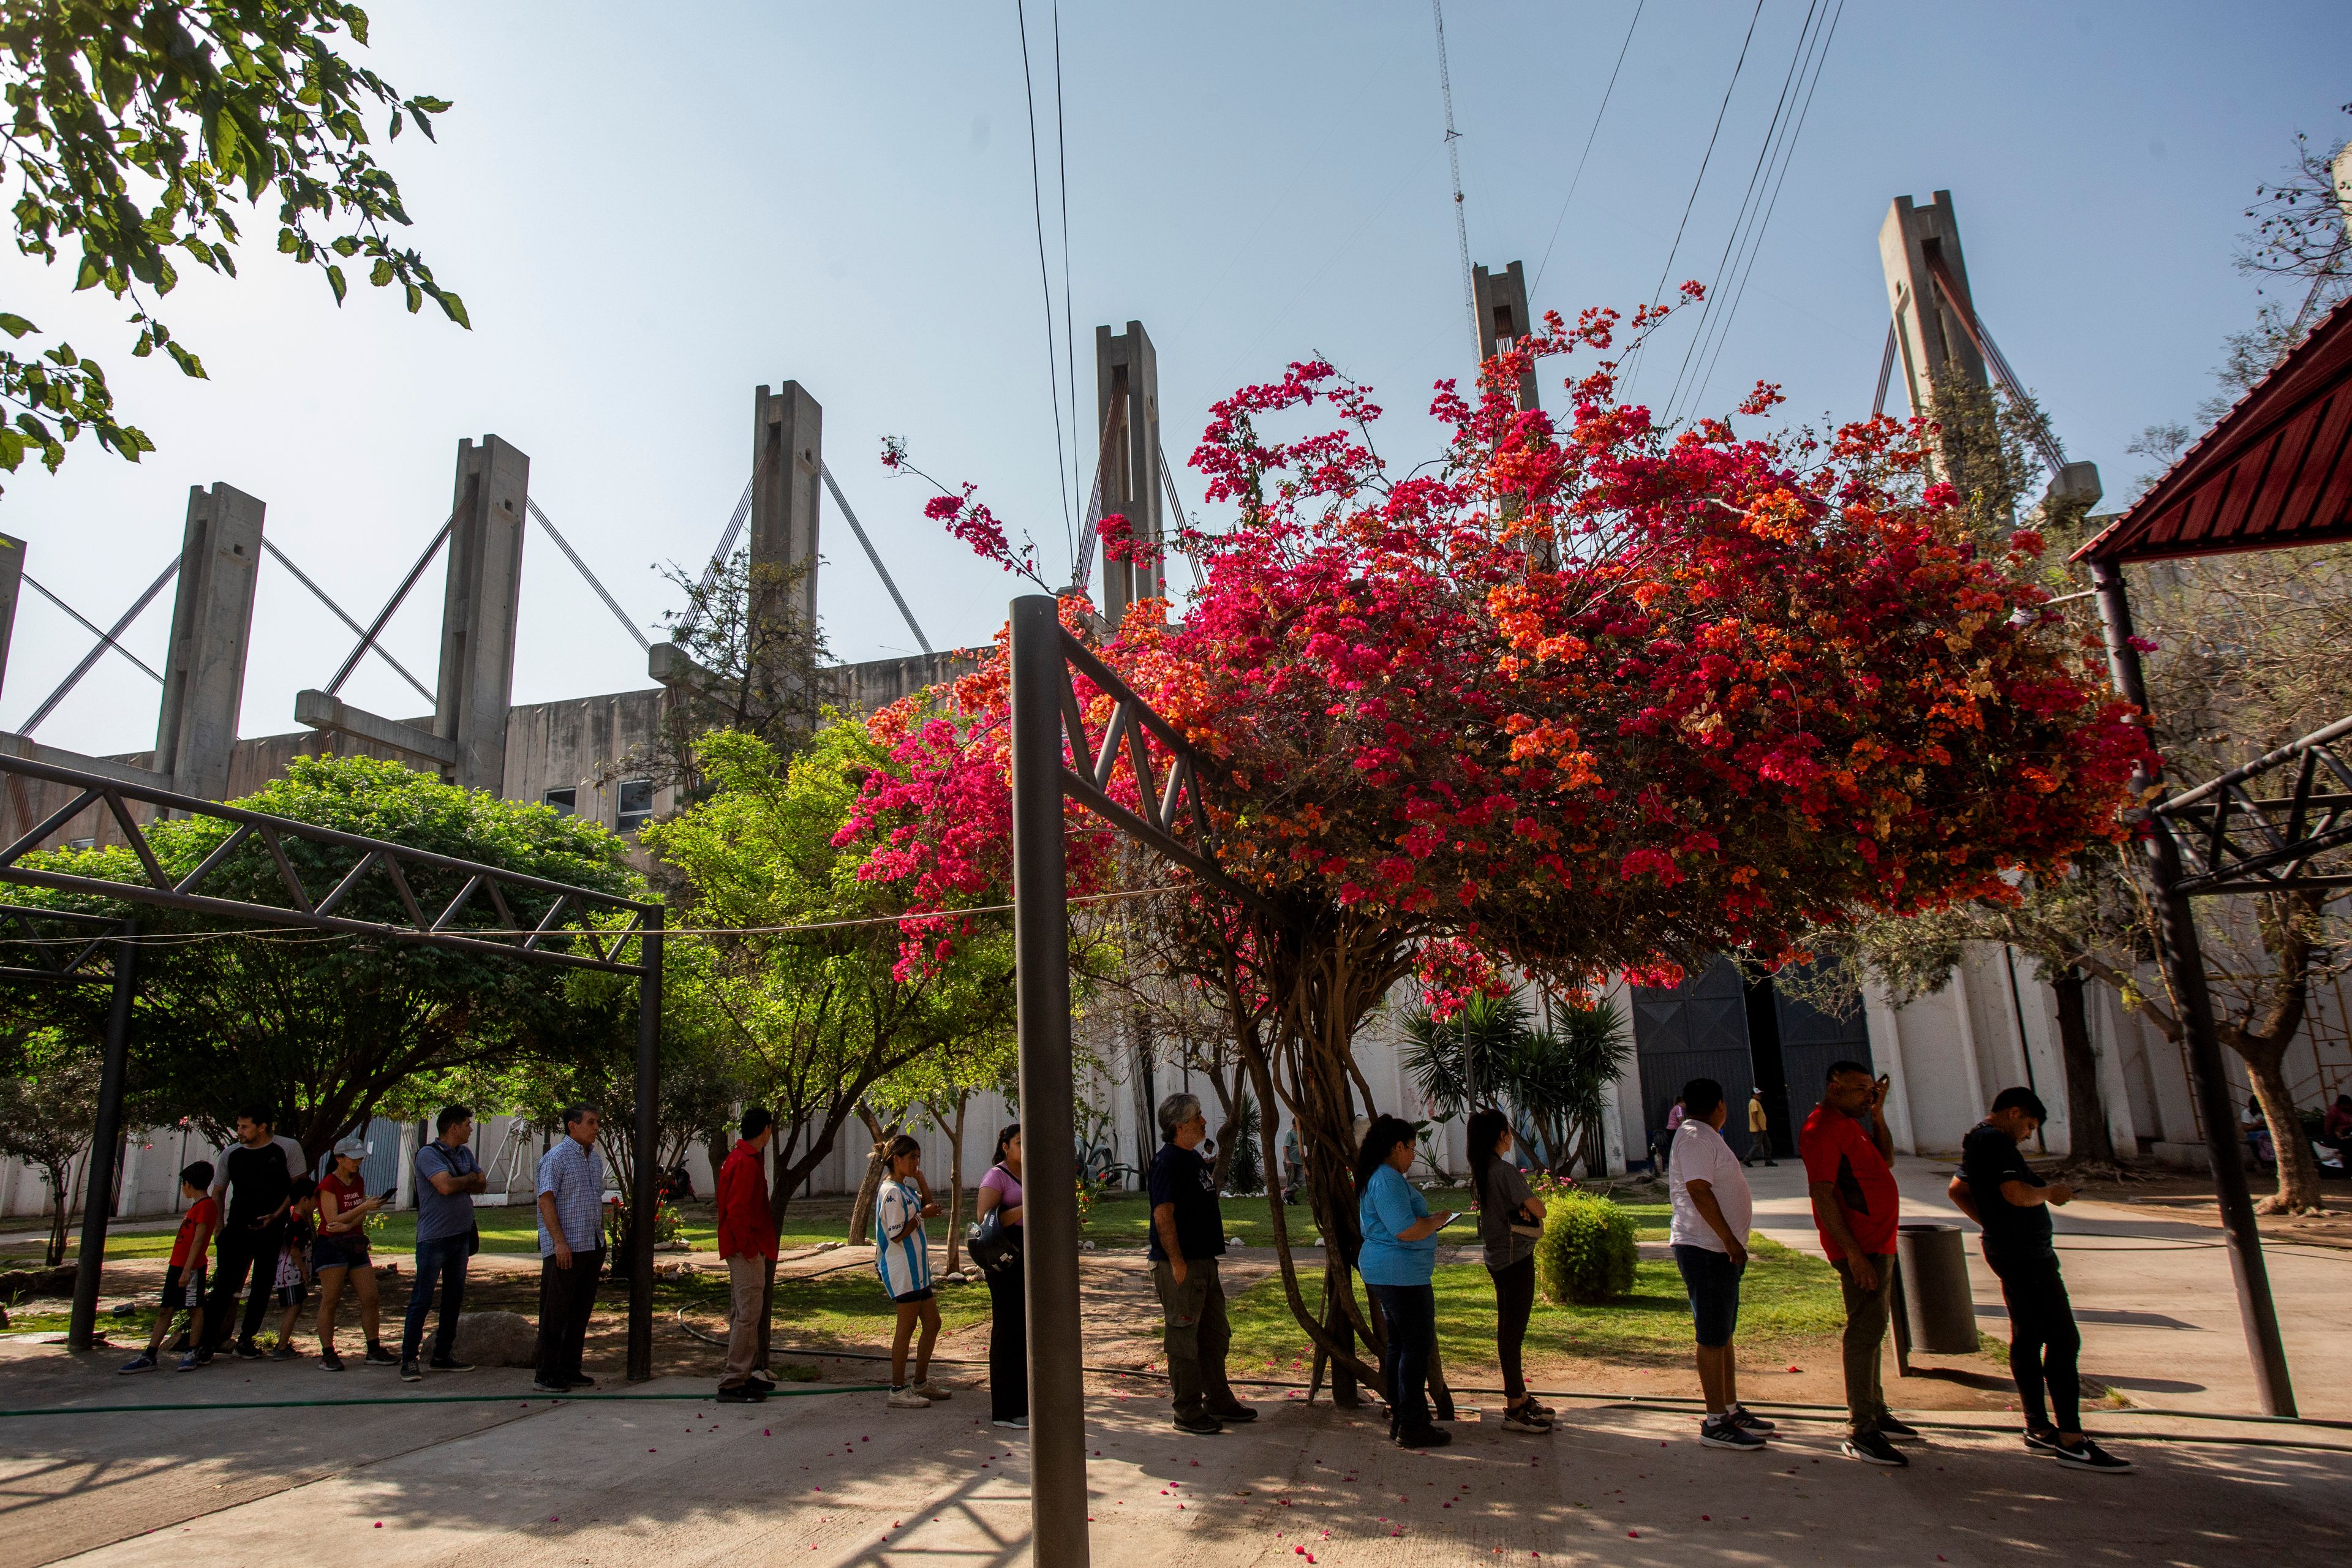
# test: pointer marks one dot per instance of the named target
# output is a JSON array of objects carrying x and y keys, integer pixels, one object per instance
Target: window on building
[
  {"x": 637, "y": 803},
  {"x": 562, "y": 802}
]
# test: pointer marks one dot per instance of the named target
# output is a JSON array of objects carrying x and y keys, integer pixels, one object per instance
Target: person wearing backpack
[
  {"x": 1510, "y": 1218},
  {"x": 1008, "y": 1323}
]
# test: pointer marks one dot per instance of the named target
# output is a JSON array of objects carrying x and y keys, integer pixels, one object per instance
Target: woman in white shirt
[{"x": 1713, "y": 1209}]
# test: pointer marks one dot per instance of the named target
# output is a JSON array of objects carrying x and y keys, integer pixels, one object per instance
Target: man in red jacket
[{"x": 747, "y": 1240}]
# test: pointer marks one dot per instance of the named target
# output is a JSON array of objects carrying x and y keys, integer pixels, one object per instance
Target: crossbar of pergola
[{"x": 490, "y": 925}]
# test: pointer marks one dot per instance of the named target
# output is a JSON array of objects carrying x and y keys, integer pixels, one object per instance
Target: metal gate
[
  {"x": 1698, "y": 1029},
  {"x": 1810, "y": 1040}
]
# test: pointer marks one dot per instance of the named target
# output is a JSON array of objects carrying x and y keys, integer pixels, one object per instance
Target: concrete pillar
[
  {"x": 1884, "y": 1024},
  {"x": 1928, "y": 330},
  {"x": 787, "y": 469},
  {"x": 1504, "y": 318},
  {"x": 1127, "y": 407},
  {"x": 212, "y": 627},
  {"x": 478, "y": 609},
  {"x": 12, "y": 578}
]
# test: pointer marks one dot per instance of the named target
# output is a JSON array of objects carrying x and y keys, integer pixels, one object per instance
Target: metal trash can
[{"x": 1934, "y": 1263}]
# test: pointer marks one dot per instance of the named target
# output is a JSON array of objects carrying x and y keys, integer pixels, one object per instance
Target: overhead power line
[
  {"x": 1045, "y": 282},
  {"x": 1577, "y": 178}
]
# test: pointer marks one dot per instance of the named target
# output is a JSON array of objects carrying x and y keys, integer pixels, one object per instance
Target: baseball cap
[{"x": 351, "y": 1149}]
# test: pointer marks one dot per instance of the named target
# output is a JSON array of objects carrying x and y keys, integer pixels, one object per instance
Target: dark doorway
[
  {"x": 1771, "y": 1085},
  {"x": 1698, "y": 1029},
  {"x": 1810, "y": 1040}
]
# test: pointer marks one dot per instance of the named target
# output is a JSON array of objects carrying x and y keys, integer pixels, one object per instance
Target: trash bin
[{"x": 1935, "y": 1299}]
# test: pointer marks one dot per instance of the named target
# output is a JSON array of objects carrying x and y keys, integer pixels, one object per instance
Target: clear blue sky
[{"x": 649, "y": 210}]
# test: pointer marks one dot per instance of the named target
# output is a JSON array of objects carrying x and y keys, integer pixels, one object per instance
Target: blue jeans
[
  {"x": 1411, "y": 1314},
  {"x": 443, "y": 1259}
]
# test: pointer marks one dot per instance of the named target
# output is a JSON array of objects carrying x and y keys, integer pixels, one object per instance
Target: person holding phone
[
  {"x": 1849, "y": 1171},
  {"x": 1399, "y": 1255},
  {"x": 1510, "y": 1219},
  {"x": 341, "y": 1254}
]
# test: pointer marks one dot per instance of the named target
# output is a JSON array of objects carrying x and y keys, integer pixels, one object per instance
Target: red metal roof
[{"x": 2275, "y": 471}]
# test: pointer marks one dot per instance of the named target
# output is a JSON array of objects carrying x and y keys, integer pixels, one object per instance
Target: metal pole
[
  {"x": 2184, "y": 967},
  {"x": 647, "y": 1182},
  {"x": 1057, "y": 1437},
  {"x": 97, "y": 1201}
]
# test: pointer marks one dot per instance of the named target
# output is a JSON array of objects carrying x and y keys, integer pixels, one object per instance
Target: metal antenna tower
[{"x": 1454, "y": 157}]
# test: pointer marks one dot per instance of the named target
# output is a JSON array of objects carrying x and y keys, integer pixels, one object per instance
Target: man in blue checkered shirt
[{"x": 571, "y": 1250}]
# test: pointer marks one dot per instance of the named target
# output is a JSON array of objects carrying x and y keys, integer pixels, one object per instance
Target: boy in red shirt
[
  {"x": 1848, "y": 1152},
  {"x": 184, "y": 1276}
]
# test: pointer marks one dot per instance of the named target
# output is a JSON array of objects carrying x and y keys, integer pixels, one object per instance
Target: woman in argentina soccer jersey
[{"x": 902, "y": 1257}]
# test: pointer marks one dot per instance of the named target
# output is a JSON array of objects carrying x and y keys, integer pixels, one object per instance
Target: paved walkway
[{"x": 2153, "y": 1293}]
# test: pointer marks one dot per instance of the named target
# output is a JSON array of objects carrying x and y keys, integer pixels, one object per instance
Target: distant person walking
[
  {"x": 184, "y": 1275},
  {"x": 447, "y": 1177},
  {"x": 1398, "y": 1258},
  {"x": 1008, "y": 1301},
  {"x": 341, "y": 1255},
  {"x": 1188, "y": 1237},
  {"x": 571, "y": 1250},
  {"x": 259, "y": 1183},
  {"x": 1847, "y": 1152},
  {"x": 1713, "y": 1210},
  {"x": 747, "y": 1243},
  {"x": 1510, "y": 1219},
  {"x": 1998, "y": 1189},
  {"x": 1759, "y": 1140},
  {"x": 902, "y": 1257}
]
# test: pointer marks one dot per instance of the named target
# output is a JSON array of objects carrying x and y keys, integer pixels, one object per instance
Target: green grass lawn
[{"x": 1785, "y": 1297}]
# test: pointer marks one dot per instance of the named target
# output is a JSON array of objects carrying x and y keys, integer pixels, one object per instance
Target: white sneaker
[
  {"x": 1016, "y": 1424},
  {"x": 908, "y": 1398},
  {"x": 931, "y": 1390}
]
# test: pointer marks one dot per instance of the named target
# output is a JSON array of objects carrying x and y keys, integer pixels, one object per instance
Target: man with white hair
[{"x": 1188, "y": 1237}]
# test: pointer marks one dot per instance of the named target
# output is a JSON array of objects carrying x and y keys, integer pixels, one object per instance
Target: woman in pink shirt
[{"x": 1008, "y": 1329}]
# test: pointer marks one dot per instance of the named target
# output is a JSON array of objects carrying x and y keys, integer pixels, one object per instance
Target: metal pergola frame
[
  {"x": 1049, "y": 735},
  {"x": 479, "y": 918}
]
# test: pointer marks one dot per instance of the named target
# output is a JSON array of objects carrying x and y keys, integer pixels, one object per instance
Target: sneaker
[
  {"x": 328, "y": 1360},
  {"x": 1520, "y": 1418},
  {"x": 411, "y": 1372},
  {"x": 247, "y": 1351},
  {"x": 540, "y": 1385},
  {"x": 2041, "y": 1439},
  {"x": 1726, "y": 1432},
  {"x": 1012, "y": 1423},
  {"x": 764, "y": 1380},
  {"x": 379, "y": 1356},
  {"x": 1897, "y": 1431},
  {"x": 449, "y": 1364},
  {"x": 1872, "y": 1448},
  {"x": 1201, "y": 1424},
  {"x": 935, "y": 1392},
  {"x": 1538, "y": 1407},
  {"x": 195, "y": 1359},
  {"x": 281, "y": 1351},
  {"x": 1427, "y": 1437},
  {"x": 742, "y": 1394},
  {"x": 580, "y": 1380},
  {"x": 142, "y": 1361},
  {"x": 908, "y": 1398},
  {"x": 1748, "y": 1420},
  {"x": 2088, "y": 1456},
  {"x": 1239, "y": 1415}
]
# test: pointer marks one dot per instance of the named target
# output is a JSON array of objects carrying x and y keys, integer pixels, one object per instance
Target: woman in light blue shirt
[{"x": 1399, "y": 1249}]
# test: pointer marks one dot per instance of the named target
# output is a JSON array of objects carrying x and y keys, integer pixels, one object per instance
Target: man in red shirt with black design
[
  {"x": 1847, "y": 1153},
  {"x": 747, "y": 1240}
]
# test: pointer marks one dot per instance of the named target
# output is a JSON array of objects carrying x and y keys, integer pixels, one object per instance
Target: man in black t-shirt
[
  {"x": 253, "y": 1232},
  {"x": 1996, "y": 1188},
  {"x": 1188, "y": 1237}
]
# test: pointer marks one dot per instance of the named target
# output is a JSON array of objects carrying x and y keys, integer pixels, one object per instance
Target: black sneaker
[
  {"x": 1201, "y": 1424},
  {"x": 581, "y": 1380},
  {"x": 247, "y": 1351},
  {"x": 1897, "y": 1431},
  {"x": 328, "y": 1360},
  {"x": 742, "y": 1394},
  {"x": 540, "y": 1385},
  {"x": 2042, "y": 1440},
  {"x": 1872, "y": 1448},
  {"x": 379, "y": 1356},
  {"x": 1726, "y": 1432},
  {"x": 1746, "y": 1420},
  {"x": 1427, "y": 1437},
  {"x": 281, "y": 1351},
  {"x": 2088, "y": 1456},
  {"x": 1238, "y": 1415},
  {"x": 449, "y": 1364},
  {"x": 411, "y": 1372}
]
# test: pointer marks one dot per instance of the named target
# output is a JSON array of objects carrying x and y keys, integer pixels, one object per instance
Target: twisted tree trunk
[{"x": 2086, "y": 1110}]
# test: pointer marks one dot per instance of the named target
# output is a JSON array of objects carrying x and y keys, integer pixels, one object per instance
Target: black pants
[
  {"x": 1008, "y": 1343},
  {"x": 566, "y": 1297},
  {"x": 241, "y": 1250},
  {"x": 2043, "y": 1340},
  {"x": 1515, "y": 1299},
  {"x": 1409, "y": 1312}
]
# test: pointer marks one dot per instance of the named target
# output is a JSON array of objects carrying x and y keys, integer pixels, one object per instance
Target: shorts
[
  {"x": 292, "y": 1295},
  {"x": 911, "y": 1297},
  {"x": 182, "y": 1287},
  {"x": 338, "y": 1252},
  {"x": 1712, "y": 1281}
]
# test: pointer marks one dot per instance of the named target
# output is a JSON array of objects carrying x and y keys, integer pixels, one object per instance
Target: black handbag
[{"x": 994, "y": 1245}]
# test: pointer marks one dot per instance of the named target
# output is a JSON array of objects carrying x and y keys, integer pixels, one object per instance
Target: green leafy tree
[
  {"x": 1556, "y": 1076},
  {"x": 49, "y": 1099},
  {"x": 136, "y": 128}
]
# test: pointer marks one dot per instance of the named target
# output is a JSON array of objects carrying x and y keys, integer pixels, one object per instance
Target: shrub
[{"x": 1587, "y": 1252}]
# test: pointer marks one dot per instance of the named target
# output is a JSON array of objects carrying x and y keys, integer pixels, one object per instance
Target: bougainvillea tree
[{"x": 1578, "y": 697}]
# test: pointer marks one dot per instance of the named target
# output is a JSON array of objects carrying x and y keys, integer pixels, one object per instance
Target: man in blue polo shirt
[{"x": 447, "y": 1177}]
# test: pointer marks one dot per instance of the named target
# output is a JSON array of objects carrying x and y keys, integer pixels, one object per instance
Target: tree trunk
[
  {"x": 2086, "y": 1110},
  {"x": 955, "y": 1182},
  {"x": 2298, "y": 1172},
  {"x": 61, "y": 1187},
  {"x": 1228, "y": 1128}
]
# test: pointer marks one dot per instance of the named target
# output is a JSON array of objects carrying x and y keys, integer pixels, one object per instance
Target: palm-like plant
[{"x": 1555, "y": 1080}]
